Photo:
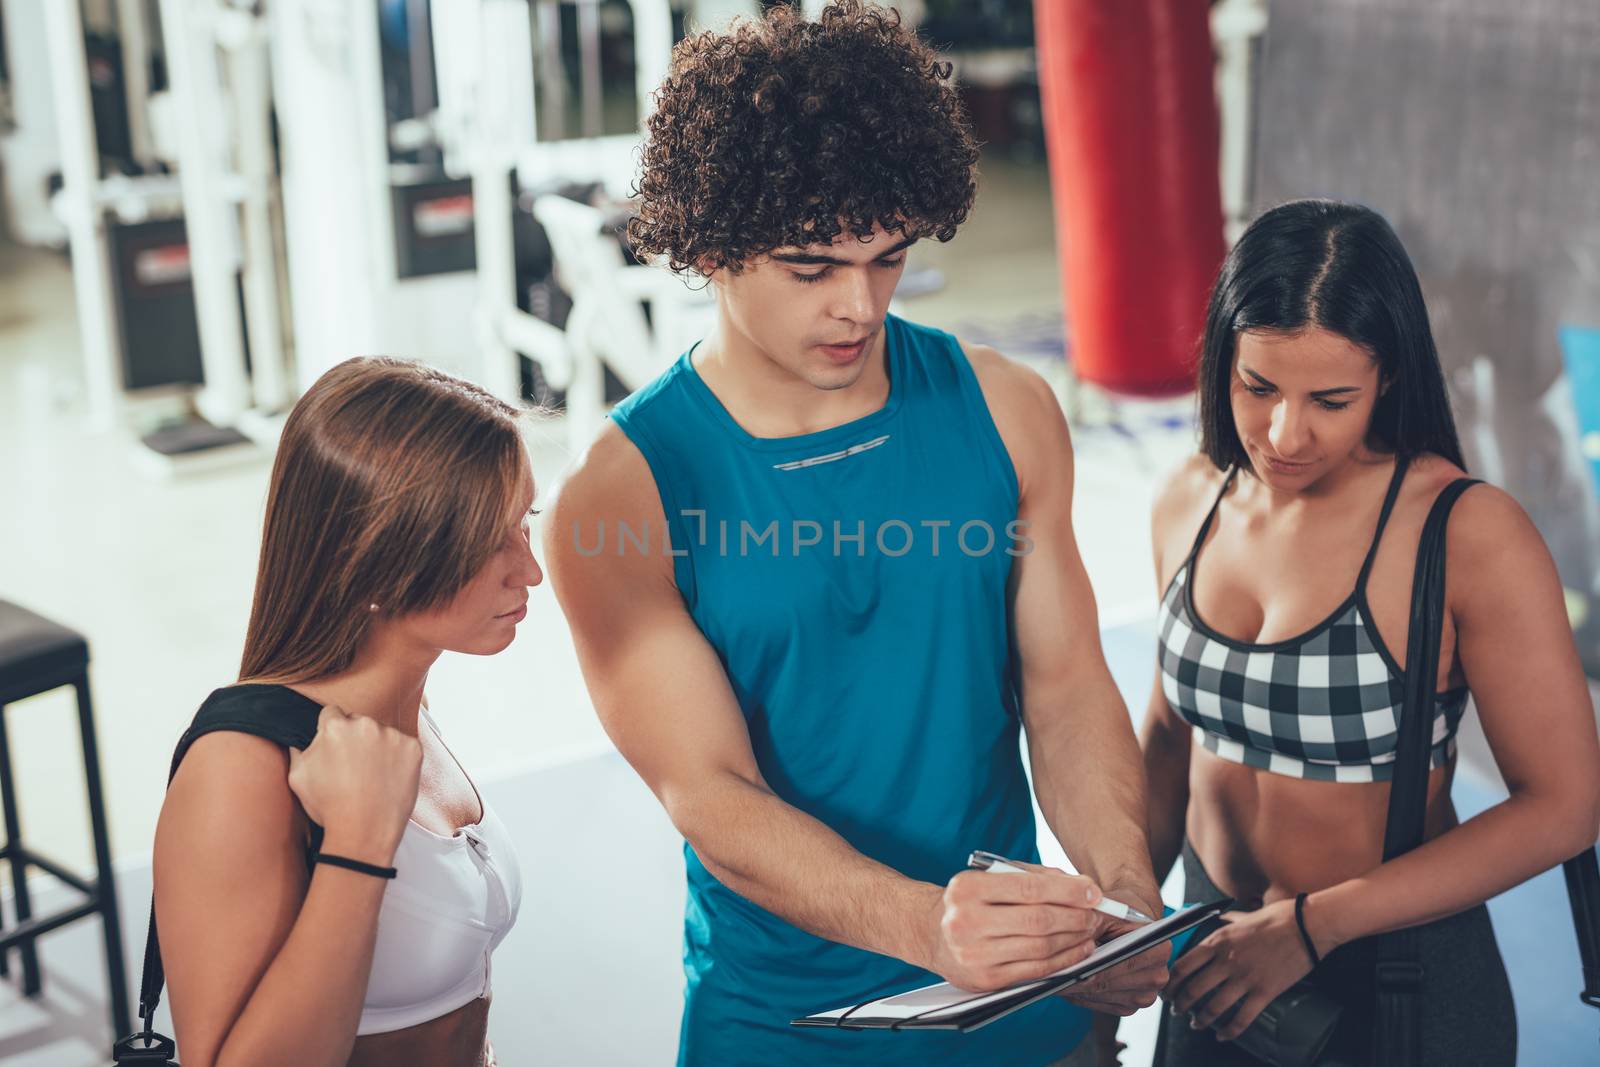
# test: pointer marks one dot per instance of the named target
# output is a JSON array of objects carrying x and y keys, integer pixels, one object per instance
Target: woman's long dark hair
[{"x": 1340, "y": 267}]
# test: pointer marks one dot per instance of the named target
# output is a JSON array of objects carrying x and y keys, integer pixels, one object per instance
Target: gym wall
[{"x": 1474, "y": 127}]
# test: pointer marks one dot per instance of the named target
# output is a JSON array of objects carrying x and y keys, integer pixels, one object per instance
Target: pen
[{"x": 988, "y": 861}]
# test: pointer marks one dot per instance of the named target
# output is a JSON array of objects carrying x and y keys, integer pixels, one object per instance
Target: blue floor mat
[{"x": 1533, "y": 921}]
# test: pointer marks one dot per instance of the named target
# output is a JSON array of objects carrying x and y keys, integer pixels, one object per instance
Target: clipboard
[{"x": 947, "y": 1007}]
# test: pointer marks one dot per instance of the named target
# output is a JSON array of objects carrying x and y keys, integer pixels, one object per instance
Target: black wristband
[
  {"x": 354, "y": 865},
  {"x": 1300, "y": 921}
]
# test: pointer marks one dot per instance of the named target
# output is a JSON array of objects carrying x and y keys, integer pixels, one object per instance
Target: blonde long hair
[{"x": 392, "y": 484}]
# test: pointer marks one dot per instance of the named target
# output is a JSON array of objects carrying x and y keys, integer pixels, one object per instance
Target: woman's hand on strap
[
  {"x": 1224, "y": 981},
  {"x": 358, "y": 781}
]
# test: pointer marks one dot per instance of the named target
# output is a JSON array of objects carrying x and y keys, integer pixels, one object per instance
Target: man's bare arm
[
  {"x": 664, "y": 699},
  {"x": 1087, "y": 769}
]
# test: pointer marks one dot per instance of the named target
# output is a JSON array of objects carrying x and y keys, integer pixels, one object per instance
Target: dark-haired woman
[
  {"x": 1285, "y": 551},
  {"x": 396, "y": 528}
]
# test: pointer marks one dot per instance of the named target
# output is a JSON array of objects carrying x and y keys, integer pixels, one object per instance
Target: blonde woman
[{"x": 338, "y": 905}]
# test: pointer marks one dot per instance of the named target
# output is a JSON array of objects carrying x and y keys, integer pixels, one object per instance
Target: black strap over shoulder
[
  {"x": 1397, "y": 1035},
  {"x": 1205, "y": 527},
  {"x": 1583, "y": 890},
  {"x": 274, "y": 712},
  {"x": 1409, "y": 790}
]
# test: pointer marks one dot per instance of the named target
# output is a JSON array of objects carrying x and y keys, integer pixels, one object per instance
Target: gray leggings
[{"x": 1467, "y": 1015}]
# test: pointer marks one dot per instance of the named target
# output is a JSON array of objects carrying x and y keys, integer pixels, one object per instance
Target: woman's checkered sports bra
[{"x": 1322, "y": 705}]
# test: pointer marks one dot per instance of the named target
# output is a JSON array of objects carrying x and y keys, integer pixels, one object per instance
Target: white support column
[
  {"x": 586, "y": 408},
  {"x": 209, "y": 213},
  {"x": 135, "y": 38},
  {"x": 503, "y": 121},
  {"x": 652, "y": 50},
  {"x": 717, "y": 14},
  {"x": 366, "y": 82},
  {"x": 501, "y": 135},
  {"x": 245, "y": 37},
  {"x": 552, "y": 81},
  {"x": 1234, "y": 26},
  {"x": 85, "y": 221},
  {"x": 589, "y": 68},
  {"x": 333, "y": 281},
  {"x": 31, "y": 150}
]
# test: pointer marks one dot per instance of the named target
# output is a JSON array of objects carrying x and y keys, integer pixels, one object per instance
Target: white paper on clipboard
[{"x": 930, "y": 1004}]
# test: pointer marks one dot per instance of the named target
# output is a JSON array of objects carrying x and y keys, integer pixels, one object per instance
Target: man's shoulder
[
  {"x": 616, "y": 461},
  {"x": 610, "y": 474},
  {"x": 1017, "y": 394},
  {"x": 1026, "y": 414},
  {"x": 652, "y": 394},
  {"x": 609, "y": 486},
  {"x": 1025, "y": 411},
  {"x": 995, "y": 368}
]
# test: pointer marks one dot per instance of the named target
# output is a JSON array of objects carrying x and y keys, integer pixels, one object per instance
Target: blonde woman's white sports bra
[{"x": 453, "y": 900}]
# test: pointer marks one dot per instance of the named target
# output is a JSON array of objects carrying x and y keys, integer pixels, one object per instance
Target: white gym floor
[{"x": 158, "y": 575}]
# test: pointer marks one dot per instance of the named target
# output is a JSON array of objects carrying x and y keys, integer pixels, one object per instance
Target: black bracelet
[
  {"x": 354, "y": 865},
  {"x": 1300, "y": 921}
]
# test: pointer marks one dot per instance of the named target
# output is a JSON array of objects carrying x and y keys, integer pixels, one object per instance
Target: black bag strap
[
  {"x": 1397, "y": 1034},
  {"x": 274, "y": 712},
  {"x": 1408, "y": 794},
  {"x": 1583, "y": 890}
]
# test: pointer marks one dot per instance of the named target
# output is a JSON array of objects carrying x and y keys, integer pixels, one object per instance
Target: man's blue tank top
[{"x": 853, "y": 583}]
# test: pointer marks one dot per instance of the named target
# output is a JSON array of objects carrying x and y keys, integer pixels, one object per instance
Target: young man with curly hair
[{"x": 822, "y": 572}]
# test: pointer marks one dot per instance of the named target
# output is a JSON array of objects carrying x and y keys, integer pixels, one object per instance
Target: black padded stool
[{"x": 37, "y": 655}]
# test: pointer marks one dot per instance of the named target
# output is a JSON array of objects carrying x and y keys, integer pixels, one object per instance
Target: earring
[{"x": 372, "y": 607}]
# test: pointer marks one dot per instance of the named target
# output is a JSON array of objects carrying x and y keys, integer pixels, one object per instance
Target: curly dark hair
[{"x": 785, "y": 131}]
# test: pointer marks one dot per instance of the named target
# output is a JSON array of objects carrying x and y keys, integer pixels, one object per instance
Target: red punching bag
[{"x": 1131, "y": 128}]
